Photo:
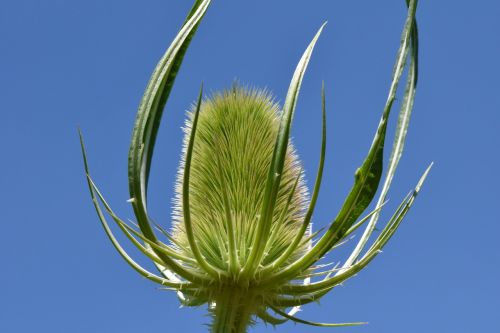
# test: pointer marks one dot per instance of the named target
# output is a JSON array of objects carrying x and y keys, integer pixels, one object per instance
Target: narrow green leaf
[
  {"x": 126, "y": 229},
  {"x": 399, "y": 141},
  {"x": 114, "y": 241},
  {"x": 277, "y": 162},
  {"x": 149, "y": 115},
  {"x": 268, "y": 318},
  {"x": 319, "y": 176},
  {"x": 367, "y": 177},
  {"x": 379, "y": 243},
  {"x": 204, "y": 264},
  {"x": 312, "y": 323}
]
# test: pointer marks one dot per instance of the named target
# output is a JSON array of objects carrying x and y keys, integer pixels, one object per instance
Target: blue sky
[{"x": 65, "y": 64}]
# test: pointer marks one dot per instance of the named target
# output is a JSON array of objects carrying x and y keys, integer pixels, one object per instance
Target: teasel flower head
[
  {"x": 232, "y": 150},
  {"x": 241, "y": 239}
]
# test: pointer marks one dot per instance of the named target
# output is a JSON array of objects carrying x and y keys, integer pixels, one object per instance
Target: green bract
[{"x": 241, "y": 240}]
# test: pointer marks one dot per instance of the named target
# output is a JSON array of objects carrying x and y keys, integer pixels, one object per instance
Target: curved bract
[{"x": 241, "y": 239}]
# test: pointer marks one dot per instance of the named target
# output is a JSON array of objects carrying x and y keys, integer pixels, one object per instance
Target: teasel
[{"x": 241, "y": 240}]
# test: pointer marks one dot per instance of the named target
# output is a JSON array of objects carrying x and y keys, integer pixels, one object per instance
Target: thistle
[{"x": 241, "y": 239}]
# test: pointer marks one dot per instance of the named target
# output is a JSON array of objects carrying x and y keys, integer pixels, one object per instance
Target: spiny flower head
[
  {"x": 241, "y": 239},
  {"x": 232, "y": 151}
]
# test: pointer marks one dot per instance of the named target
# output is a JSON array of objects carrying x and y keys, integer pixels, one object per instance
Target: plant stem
[{"x": 233, "y": 310}]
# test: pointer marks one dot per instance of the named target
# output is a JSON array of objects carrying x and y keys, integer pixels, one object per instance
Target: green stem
[{"x": 234, "y": 308}]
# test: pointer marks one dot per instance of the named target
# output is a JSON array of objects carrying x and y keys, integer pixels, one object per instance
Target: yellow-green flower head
[
  {"x": 241, "y": 239},
  {"x": 232, "y": 153}
]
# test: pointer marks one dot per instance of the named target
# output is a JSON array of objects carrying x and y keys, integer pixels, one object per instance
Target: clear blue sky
[{"x": 65, "y": 64}]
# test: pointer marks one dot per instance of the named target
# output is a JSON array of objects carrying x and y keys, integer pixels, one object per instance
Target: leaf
[
  {"x": 367, "y": 177},
  {"x": 278, "y": 160},
  {"x": 149, "y": 116},
  {"x": 399, "y": 140},
  {"x": 312, "y": 323},
  {"x": 317, "y": 184},
  {"x": 204, "y": 264},
  {"x": 379, "y": 243},
  {"x": 114, "y": 241}
]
